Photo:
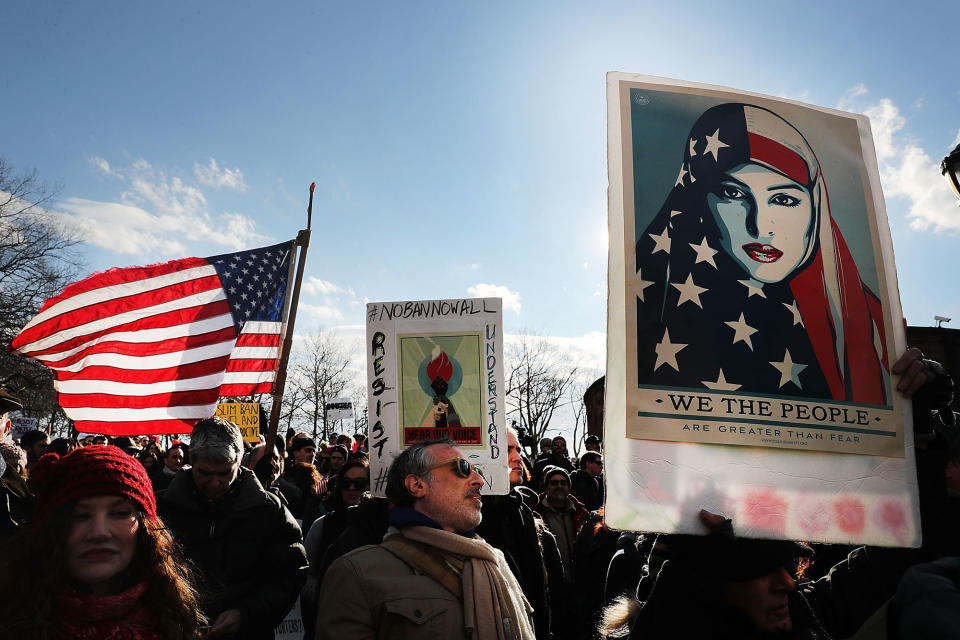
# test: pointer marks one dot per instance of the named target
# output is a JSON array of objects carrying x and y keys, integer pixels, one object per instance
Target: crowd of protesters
[{"x": 213, "y": 538}]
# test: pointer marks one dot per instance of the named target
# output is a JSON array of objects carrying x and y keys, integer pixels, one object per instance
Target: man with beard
[
  {"x": 511, "y": 525},
  {"x": 563, "y": 514},
  {"x": 432, "y": 577}
]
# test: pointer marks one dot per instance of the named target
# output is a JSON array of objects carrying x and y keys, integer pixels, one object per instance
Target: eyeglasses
[
  {"x": 461, "y": 466},
  {"x": 354, "y": 483}
]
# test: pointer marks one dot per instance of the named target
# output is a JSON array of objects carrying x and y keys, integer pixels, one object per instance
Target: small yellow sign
[{"x": 245, "y": 415}]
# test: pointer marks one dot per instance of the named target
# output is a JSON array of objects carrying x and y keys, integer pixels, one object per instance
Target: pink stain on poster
[
  {"x": 812, "y": 515},
  {"x": 851, "y": 515},
  {"x": 765, "y": 509},
  {"x": 892, "y": 517}
]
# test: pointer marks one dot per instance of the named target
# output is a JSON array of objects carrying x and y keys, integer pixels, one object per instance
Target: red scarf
[{"x": 124, "y": 616}]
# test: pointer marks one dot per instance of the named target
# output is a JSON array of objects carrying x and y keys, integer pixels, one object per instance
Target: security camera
[{"x": 941, "y": 319}]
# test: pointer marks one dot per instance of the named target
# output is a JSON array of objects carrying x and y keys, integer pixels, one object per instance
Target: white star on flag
[
  {"x": 662, "y": 242},
  {"x": 641, "y": 285},
  {"x": 704, "y": 253},
  {"x": 683, "y": 173},
  {"x": 721, "y": 384},
  {"x": 797, "y": 320},
  {"x": 789, "y": 370},
  {"x": 714, "y": 144},
  {"x": 667, "y": 352},
  {"x": 693, "y": 151},
  {"x": 742, "y": 331},
  {"x": 688, "y": 291},
  {"x": 753, "y": 288}
]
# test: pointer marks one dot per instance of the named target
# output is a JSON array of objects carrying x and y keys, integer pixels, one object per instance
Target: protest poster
[
  {"x": 339, "y": 409},
  {"x": 291, "y": 627},
  {"x": 435, "y": 369},
  {"x": 753, "y": 316},
  {"x": 21, "y": 425},
  {"x": 246, "y": 415}
]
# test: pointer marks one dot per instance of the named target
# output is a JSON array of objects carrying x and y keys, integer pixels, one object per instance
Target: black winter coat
[
  {"x": 509, "y": 524},
  {"x": 246, "y": 545}
]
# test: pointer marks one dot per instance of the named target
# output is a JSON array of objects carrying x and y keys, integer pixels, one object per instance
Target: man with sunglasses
[{"x": 432, "y": 577}]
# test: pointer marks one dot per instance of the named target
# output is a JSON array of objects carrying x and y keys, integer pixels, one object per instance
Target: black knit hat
[
  {"x": 552, "y": 470},
  {"x": 300, "y": 442}
]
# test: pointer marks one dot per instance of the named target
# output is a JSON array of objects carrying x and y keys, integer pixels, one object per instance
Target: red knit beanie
[{"x": 88, "y": 472}]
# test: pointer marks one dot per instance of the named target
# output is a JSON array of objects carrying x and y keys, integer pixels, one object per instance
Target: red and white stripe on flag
[{"x": 143, "y": 350}]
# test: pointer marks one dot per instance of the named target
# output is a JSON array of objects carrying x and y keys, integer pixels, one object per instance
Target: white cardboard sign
[{"x": 435, "y": 369}]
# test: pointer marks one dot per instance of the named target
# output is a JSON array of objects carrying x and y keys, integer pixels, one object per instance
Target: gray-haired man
[
  {"x": 245, "y": 543},
  {"x": 432, "y": 577}
]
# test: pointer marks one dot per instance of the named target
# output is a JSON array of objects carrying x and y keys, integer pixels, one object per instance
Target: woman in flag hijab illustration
[{"x": 744, "y": 281}]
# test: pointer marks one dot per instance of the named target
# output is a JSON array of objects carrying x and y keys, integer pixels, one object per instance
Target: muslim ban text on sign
[{"x": 246, "y": 415}]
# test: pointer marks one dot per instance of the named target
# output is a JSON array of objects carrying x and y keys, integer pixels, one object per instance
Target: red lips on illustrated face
[{"x": 762, "y": 252}]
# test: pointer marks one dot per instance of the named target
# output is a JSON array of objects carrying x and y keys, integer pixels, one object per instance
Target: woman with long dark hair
[
  {"x": 97, "y": 561},
  {"x": 744, "y": 280}
]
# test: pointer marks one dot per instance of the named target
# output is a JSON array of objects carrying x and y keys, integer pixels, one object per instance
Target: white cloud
[
  {"x": 315, "y": 286},
  {"x": 122, "y": 228},
  {"x": 907, "y": 170},
  {"x": 956, "y": 140},
  {"x": 511, "y": 299},
  {"x": 104, "y": 167},
  {"x": 157, "y": 216},
  {"x": 212, "y": 175},
  {"x": 322, "y": 313},
  {"x": 848, "y": 99}
]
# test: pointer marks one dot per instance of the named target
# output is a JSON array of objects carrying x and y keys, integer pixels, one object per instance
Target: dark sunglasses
[
  {"x": 461, "y": 466},
  {"x": 354, "y": 483}
]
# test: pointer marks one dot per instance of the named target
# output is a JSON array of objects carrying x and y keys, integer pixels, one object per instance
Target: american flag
[{"x": 141, "y": 350}]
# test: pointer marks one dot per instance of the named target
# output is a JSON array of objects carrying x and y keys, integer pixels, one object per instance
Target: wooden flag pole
[{"x": 303, "y": 242}]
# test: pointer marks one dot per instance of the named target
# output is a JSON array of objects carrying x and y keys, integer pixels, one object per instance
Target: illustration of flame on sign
[{"x": 440, "y": 388}]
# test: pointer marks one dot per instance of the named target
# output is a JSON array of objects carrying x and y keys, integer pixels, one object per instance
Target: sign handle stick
[{"x": 303, "y": 242}]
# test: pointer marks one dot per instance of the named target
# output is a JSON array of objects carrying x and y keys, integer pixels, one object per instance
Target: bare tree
[
  {"x": 536, "y": 382},
  {"x": 37, "y": 260},
  {"x": 360, "y": 418},
  {"x": 579, "y": 410},
  {"x": 321, "y": 373}
]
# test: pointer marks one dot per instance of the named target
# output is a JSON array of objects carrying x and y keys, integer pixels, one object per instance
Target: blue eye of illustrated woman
[
  {"x": 731, "y": 192},
  {"x": 784, "y": 200}
]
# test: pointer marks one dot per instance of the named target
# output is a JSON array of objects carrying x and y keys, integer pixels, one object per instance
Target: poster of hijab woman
[{"x": 753, "y": 304}]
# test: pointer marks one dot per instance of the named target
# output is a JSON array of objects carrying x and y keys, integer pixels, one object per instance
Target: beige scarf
[{"x": 494, "y": 607}]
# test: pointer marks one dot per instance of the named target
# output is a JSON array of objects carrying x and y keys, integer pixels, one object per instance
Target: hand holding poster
[
  {"x": 435, "y": 370},
  {"x": 751, "y": 306}
]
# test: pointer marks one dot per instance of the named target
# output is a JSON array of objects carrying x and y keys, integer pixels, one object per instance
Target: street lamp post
[{"x": 950, "y": 168}]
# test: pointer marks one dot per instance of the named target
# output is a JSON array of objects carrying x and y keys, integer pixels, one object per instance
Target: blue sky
[{"x": 458, "y": 148}]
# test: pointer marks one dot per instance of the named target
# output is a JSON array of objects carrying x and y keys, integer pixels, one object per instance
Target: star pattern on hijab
[
  {"x": 661, "y": 242},
  {"x": 704, "y": 253},
  {"x": 667, "y": 352},
  {"x": 754, "y": 288},
  {"x": 789, "y": 370},
  {"x": 689, "y": 291},
  {"x": 714, "y": 144},
  {"x": 720, "y": 384},
  {"x": 642, "y": 285},
  {"x": 742, "y": 331},
  {"x": 797, "y": 319}
]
